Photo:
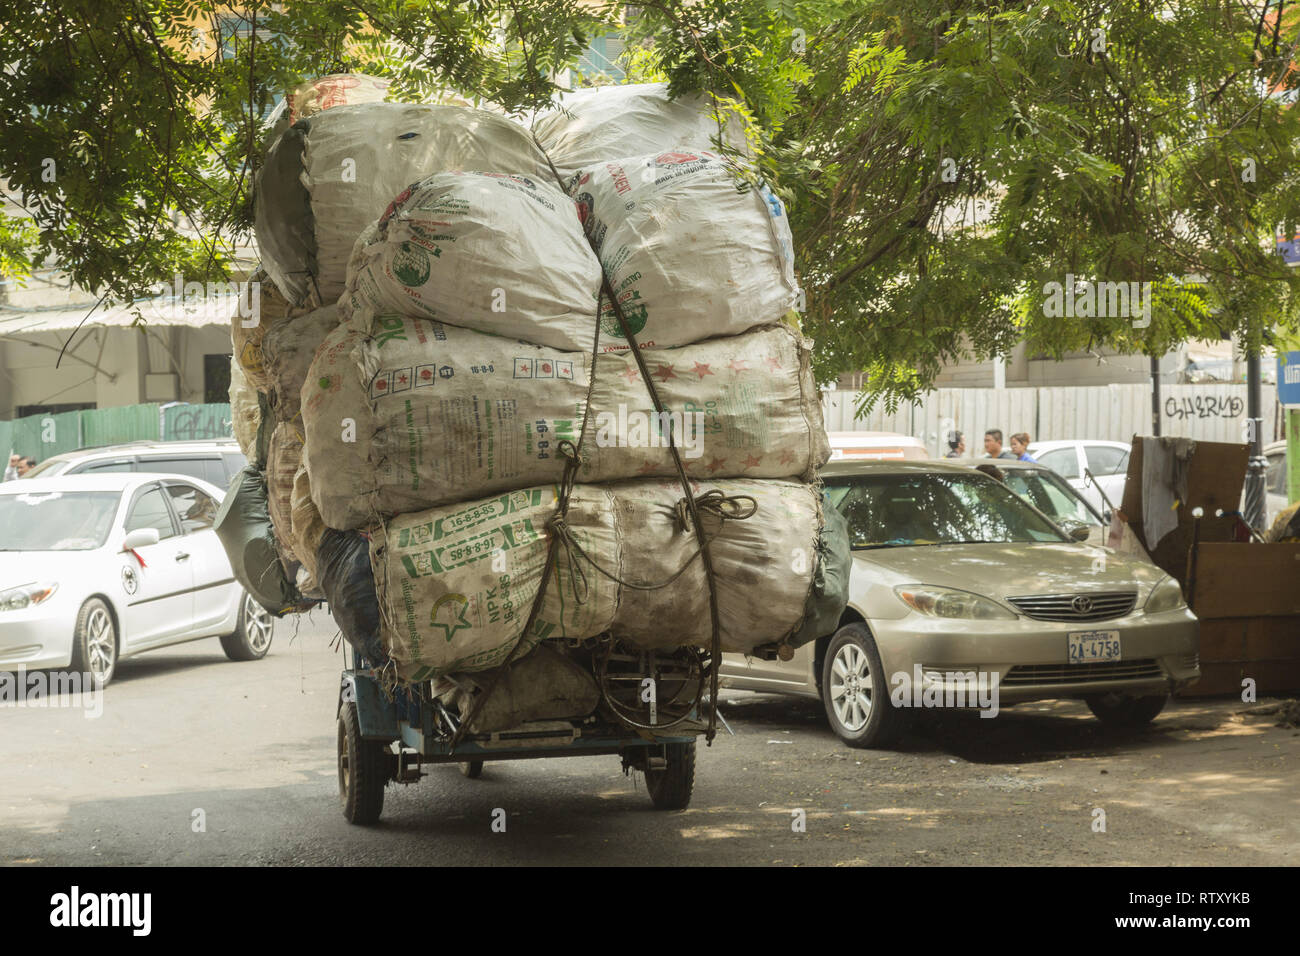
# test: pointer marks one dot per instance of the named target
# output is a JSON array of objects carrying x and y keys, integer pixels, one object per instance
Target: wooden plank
[{"x": 1246, "y": 580}]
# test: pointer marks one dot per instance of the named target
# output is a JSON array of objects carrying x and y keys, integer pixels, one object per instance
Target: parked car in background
[
  {"x": 953, "y": 575},
  {"x": 216, "y": 461},
  {"x": 1055, "y": 497},
  {"x": 870, "y": 446},
  {"x": 99, "y": 567},
  {"x": 1275, "y": 453},
  {"x": 1107, "y": 460}
]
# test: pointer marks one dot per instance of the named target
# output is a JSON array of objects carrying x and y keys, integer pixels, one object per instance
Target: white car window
[
  {"x": 1063, "y": 461},
  {"x": 1277, "y": 473},
  {"x": 150, "y": 511},
  {"x": 197, "y": 510},
  {"x": 1105, "y": 460}
]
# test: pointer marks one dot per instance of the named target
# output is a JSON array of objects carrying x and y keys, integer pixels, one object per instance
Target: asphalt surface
[{"x": 199, "y": 760}]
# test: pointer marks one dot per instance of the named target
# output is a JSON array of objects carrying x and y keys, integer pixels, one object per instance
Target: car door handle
[{"x": 182, "y": 556}]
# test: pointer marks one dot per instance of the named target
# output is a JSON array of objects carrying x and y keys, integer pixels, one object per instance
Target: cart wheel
[
  {"x": 472, "y": 768},
  {"x": 670, "y": 788},
  {"x": 363, "y": 771}
]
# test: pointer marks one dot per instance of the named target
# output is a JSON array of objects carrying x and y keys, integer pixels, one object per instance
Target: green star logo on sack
[
  {"x": 411, "y": 265},
  {"x": 454, "y": 620}
]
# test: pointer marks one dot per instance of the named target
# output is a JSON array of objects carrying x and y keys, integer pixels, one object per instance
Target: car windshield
[
  {"x": 56, "y": 520},
  {"x": 1050, "y": 494},
  {"x": 903, "y": 510}
]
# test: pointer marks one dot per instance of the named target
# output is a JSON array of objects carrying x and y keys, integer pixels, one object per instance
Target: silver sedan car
[
  {"x": 964, "y": 595},
  {"x": 95, "y": 568}
]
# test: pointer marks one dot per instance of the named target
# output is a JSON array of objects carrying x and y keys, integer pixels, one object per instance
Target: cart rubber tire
[
  {"x": 670, "y": 788},
  {"x": 251, "y": 638},
  {"x": 363, "y": 770},
  {"x": 473, "y": 769},
  {"x": 1126, "y": 713}
]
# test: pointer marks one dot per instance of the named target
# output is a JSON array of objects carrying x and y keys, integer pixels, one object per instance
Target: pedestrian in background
[
  {"x": 11, "y": 472},
  {"x": 993, "y": 444},
  {"x": 26, "y": 465},
  {"x": 956, "y": 445},
  {"x": 1020, "y": 446}
]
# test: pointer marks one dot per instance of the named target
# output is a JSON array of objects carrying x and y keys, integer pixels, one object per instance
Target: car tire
[
  {"x": 94, "y": 642},
  {"x": 251, "y": 639},
  {"x": 1126, "y": 713},
  {"x": 855, "y": 691},
  {"x": 364, "y": 769},
  {"x": 671, "y": 787}
]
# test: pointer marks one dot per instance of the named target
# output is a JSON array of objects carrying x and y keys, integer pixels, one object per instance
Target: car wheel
[
  {"x": 1120, "y": 712},
  {"x": 363, "y": 770},
  {"x": 670, "y": 788},
  {"x": 855, "y": 690},
  {"x": 252, "y": 638},
  {"x": 94, "y": 642}
]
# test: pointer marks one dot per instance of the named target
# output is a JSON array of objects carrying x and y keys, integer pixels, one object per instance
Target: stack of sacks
[
  {"x": 456, "y": 584},
  {"x": 591, "y": 126},
  {"x": 326, "y": 177},
  {"x": 465, "y": 356},
  {"x": 273, "y": 346},
  {"x": 330, "y": 175},
  {"x": 406, "y": 414}
]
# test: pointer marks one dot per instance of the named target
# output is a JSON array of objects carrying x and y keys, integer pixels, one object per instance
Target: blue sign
[
  {"x": 1289, "y": 250},
  {"x": 1288, "y": 378}
]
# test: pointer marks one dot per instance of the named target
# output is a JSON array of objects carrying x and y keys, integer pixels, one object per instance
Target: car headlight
[
  {"x": 1165, "y": 596},
  {"x": 15, "y": 599},
  {"x": 949, "y": 602}
]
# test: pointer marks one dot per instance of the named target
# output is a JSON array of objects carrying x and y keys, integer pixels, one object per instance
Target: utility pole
[
  {"x": 1155, "y": 396},
  {"x": 1256, "y": 469}
]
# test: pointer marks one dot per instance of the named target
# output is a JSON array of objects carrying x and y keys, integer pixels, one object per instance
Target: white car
[
  {"x": 1107, "y": 460},
  {"x": 96, "y": 568}
]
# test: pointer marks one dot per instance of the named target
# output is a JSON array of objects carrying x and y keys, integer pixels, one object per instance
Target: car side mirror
[
  {"x": 140, "y": 538},
  {"x": 1079, "y": 532}
]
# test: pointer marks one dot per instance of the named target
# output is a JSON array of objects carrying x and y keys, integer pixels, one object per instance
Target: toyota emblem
[{"x": 1082, "y": 604}]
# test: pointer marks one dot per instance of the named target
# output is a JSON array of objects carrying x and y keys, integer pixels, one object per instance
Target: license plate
[{"x": 1089, "y": 646}]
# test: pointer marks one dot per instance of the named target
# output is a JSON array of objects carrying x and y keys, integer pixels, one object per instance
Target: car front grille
[
  {"x": 1076, "y": 607},
  {"x": 1024, "y": 674}
]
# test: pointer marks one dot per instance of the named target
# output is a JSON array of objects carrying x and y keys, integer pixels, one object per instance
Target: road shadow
[{"x": 1024, "y": 733}]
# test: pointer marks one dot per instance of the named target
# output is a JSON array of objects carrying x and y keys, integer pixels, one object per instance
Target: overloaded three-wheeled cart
[{"x": 388, "y": 734}]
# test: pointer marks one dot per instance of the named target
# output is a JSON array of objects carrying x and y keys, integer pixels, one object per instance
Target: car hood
[
  {"x": 32, "y": 567},
  {"x": 1010, "y": 570}
]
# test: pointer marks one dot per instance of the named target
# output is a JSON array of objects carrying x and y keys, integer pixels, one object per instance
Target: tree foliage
[{"x": 944, "y": 161}]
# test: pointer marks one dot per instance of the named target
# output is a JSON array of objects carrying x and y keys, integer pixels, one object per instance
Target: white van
[{"x": 885, "y": 446}]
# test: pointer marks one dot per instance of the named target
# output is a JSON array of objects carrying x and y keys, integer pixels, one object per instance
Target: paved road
[{"x": 251, "y": 745}]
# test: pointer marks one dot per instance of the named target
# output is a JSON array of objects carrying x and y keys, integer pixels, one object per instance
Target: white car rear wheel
[{"x": 252, "y": 638}]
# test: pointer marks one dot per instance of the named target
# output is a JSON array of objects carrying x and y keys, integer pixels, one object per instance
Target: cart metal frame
[{"x": 402, "y": 731}]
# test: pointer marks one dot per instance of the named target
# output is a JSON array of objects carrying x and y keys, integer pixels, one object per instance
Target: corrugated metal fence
[
  {"x": 44, "y": 435},
  {"x": 1092, "y": 412}
]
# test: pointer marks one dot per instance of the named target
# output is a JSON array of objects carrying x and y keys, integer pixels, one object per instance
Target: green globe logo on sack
[
  {"x": 636, "y": 319},
  {"x": 411, "y": 265}
]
